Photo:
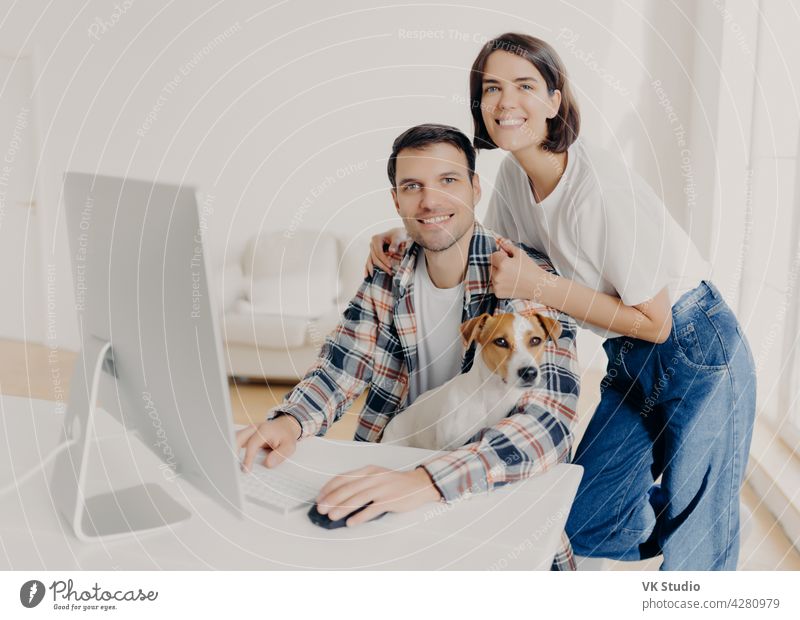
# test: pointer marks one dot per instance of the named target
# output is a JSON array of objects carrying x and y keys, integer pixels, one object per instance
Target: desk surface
[{"x": 516, "y": 527}]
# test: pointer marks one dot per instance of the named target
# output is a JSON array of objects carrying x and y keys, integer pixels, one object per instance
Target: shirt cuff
[
  {"x": 457, "y": 477},
  {"x": 309, "y": 425}
]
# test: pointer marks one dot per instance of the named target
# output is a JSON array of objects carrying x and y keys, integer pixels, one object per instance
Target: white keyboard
[{"x": 277, "y": 490}]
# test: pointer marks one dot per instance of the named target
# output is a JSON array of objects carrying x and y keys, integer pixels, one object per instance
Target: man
[{"x": 399, "y": 337}]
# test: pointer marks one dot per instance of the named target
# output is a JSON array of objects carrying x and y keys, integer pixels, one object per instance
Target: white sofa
[{"x": 282, "y": 296}]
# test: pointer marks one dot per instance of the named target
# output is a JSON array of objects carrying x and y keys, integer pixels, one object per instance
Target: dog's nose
[{"x": 528, "y": 374}]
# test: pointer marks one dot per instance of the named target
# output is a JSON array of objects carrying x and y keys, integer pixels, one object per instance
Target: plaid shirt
[{"x": 374, "y": 347}]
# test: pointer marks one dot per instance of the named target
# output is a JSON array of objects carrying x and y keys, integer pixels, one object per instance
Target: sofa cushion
[
  {"x": 263, "y": 330},
  {"x": 306, "y": 296},
  {"x": 302, "y": 253}
]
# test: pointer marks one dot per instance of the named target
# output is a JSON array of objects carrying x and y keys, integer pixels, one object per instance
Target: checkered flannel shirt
[{"x": 374, "y": 348}]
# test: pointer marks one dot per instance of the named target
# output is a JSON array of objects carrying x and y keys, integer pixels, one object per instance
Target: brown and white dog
[{"x": 507, "y": 356}]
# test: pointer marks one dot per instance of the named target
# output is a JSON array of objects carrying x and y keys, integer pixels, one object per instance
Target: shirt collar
[{"x": 477, "y": 280}]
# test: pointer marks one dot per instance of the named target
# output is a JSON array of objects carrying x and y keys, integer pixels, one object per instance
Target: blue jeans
[{"x": 683, "y": 410}]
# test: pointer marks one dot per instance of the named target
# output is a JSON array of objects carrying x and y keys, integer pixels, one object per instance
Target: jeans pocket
[
  {"x": 618, "y": 351},
  {"x": 698, "y": 343}
]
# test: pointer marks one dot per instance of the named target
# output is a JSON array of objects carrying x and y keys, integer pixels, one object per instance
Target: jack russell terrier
[{"x": 509, "y": 348}]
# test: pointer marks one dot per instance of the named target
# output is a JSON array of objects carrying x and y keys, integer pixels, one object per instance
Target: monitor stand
[{"x": 116, "y": 514}]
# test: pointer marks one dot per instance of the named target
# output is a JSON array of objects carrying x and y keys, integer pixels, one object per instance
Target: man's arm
[
  {"x": 344, "y": 366},
  {"x": 536, "y": 435}
]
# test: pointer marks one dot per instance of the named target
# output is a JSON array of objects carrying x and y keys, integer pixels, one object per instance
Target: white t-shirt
[
  {"x": 602, "y": 226},
  {"x": 438, "y": 315}
]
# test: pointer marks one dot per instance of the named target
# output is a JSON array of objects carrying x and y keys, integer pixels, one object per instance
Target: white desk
[{"x": 514, "y": 527}]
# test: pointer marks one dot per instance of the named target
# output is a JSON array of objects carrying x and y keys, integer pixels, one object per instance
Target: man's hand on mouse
[
  {"x": 389, "y": 490},
  {"x": 278, "y": 436}
]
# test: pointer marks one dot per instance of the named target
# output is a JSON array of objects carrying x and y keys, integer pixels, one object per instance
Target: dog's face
[{"x": 511, "y": 345}]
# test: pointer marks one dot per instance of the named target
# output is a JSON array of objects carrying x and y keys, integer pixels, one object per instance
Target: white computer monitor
[{"x": 150, "y": 352}]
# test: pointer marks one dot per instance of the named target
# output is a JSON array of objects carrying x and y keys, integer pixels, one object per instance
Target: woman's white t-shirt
[{"x": 602, "y": 226}]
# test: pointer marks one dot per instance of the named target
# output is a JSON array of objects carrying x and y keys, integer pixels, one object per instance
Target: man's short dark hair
[{"x": 424, "y": 135}]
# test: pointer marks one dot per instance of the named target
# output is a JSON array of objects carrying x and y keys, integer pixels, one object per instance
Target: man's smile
[{"x": 436, "y": 219}]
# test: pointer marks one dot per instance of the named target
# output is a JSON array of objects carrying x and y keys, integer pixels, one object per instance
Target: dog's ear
[
  {"x": 472, "y": 328},
  {"x": 551, "y": 326}
]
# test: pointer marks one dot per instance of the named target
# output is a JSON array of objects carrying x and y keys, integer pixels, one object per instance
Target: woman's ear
[
  {"x": 470, "y": 330},
  {"x": 555, "y": 103}
]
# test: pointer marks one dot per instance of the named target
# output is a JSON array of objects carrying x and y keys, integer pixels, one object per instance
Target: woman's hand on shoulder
[{"x": 384, "y": 249}]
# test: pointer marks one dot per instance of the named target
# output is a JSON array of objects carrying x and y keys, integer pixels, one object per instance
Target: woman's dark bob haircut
[{"x": 563, "y": 128}]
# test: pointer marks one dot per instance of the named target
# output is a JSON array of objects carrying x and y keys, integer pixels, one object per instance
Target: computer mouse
[{"x": 317, "y": 518}]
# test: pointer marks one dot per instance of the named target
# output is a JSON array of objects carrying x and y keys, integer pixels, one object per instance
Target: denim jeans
[{"x": 683, "y": 410}]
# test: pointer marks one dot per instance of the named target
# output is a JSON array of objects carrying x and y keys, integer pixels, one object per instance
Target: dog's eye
[
  {"x": 501, "y": 342},
  {"x": 536, "y": 341}
]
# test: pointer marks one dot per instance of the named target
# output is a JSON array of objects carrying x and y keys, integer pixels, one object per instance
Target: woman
[{"x": 678, "y": 398}]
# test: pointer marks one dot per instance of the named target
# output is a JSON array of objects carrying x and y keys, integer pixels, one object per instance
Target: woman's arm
[
  {"x": 514, "y": 274},
  {"x": 651, "y": 320}
]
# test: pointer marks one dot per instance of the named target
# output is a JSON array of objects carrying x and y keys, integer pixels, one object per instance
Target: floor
[{"x": 39, "y": 372}]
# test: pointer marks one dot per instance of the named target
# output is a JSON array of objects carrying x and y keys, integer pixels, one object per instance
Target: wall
[{"x": 284, "y": 116}]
